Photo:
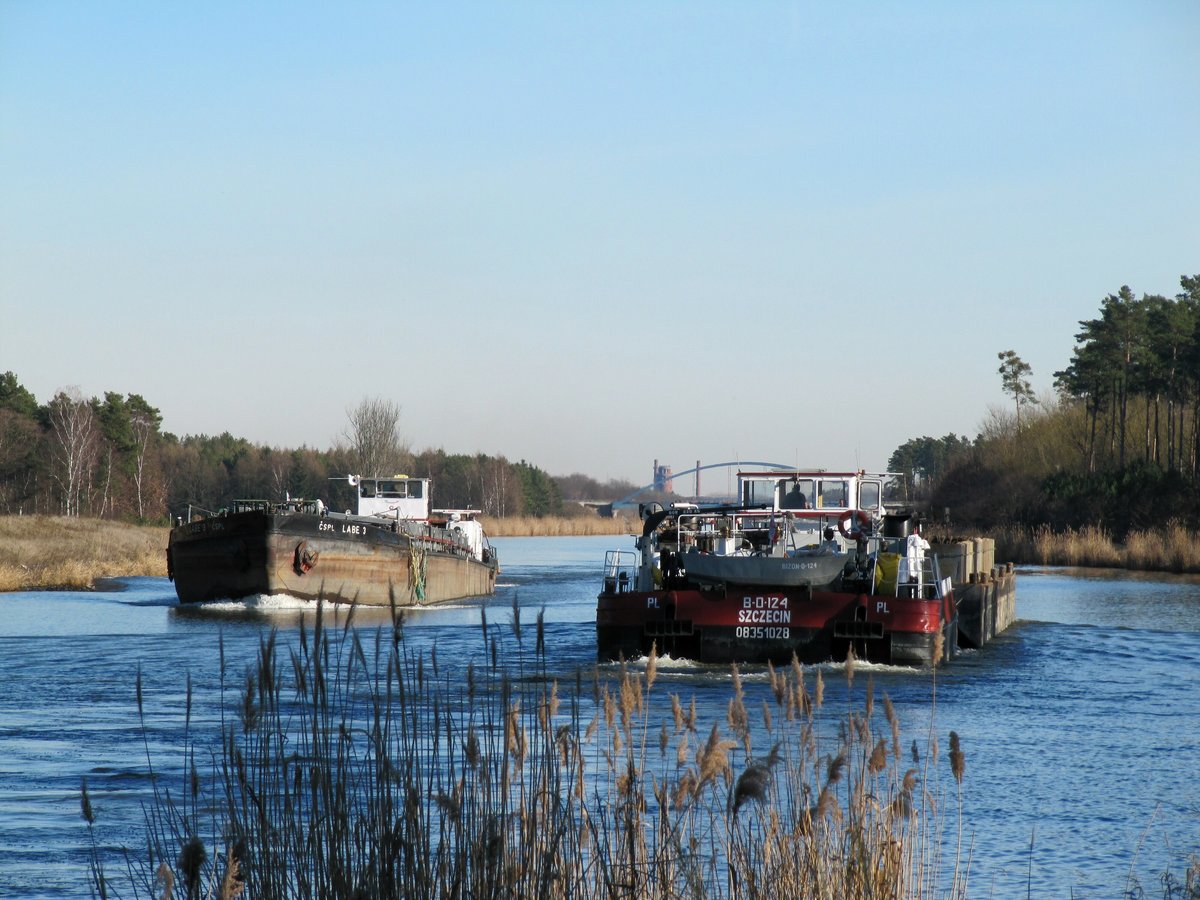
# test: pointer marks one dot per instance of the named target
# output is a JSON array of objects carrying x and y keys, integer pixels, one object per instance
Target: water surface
[{"x": 1080, "y": 725}]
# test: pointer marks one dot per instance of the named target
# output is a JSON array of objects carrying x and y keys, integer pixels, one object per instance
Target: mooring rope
[{"x": 416, "y": 570}]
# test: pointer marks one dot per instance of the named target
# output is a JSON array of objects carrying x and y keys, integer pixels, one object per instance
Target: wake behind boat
[{"x": 393, "y": 550}]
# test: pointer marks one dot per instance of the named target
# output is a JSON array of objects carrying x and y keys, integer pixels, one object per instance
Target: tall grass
[
  {"x": 61, "y": 553},
  {"x": 352, "y": 766},
  {"x": 1169, "y": 548},
  {"x": 560, "y": 526},
  {"x": 57, "y": 552}
]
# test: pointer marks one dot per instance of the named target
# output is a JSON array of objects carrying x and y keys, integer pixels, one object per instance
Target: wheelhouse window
[
  {"x": 832, "y": 494},
  {"x": 394, "y": 490},
  {"x": 796, "y": 493},
  {"x": 868, "y": 495},
  {"x": 758, "y": 493}
]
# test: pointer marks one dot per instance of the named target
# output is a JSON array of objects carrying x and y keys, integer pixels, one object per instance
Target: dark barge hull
[
  {"x": 340, "y": 559},
  {"x": 753, "y": 624}
]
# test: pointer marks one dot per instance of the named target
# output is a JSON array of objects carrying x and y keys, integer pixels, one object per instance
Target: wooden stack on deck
[{"x": 986, "y": 593}]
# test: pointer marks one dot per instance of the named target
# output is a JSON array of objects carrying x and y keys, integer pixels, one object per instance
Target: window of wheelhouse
[
  {"x": 869, "y": 494},
  {"x": 796, "y": 493},
  {"x": 758, "y": 493},
  {"x": 832, "y": 493},
  {"x": 398, "y": 490}
]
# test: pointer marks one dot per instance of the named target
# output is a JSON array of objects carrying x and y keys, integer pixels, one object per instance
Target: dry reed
[
  {"x": 48, "y": 552},
  {"x": 359, "y": 767},
  {"x": 559, "y": 526},
  {"x": 1167, "y": 548},
  {"x": 56, "y": 552}
]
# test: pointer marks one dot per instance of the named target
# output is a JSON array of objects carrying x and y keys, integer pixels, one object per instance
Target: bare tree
[
  {"x": 376, "y": 447},
  {"x": 107, "y": 476},
  {"x": 144, "y": 428},
  {"x": 280, "y": 463},
  {"x": 75, "y": 440},
  {"x": 144, "y": 422}
]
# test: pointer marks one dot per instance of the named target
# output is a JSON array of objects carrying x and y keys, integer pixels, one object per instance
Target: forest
[
  {"x": 1115, "y": 446},
  {"x": 108, "y": 457}
]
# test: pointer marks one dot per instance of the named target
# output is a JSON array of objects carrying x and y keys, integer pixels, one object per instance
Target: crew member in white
[{"x": 915, "y": 555}]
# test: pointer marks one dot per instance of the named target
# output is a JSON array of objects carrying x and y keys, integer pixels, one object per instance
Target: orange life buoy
[
  {"x": 306, "y": 558},
  {"x": 863, "y": 521}
]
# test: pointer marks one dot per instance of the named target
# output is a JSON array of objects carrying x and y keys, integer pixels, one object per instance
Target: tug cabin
[
  {"x": 814, "y": 500},
  {"x": 397, "y": 497}
]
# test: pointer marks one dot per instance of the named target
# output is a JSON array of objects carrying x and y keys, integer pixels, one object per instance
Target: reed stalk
[
  {"x": 68, "y": 553},
  {"x": 61, "y": 553},
  {"x": 351, "y": 764},
  {"x": 56, "y": 552},
  {"x": 1166, "y": 548},
  {"x": 560, "y": 526}
]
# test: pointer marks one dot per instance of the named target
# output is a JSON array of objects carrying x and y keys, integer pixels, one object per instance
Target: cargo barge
[
  {"x": 393, "y": 551},
  {"x": 808, "y": 563}
]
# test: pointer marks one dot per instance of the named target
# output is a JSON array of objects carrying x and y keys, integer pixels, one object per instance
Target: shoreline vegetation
[
  {"x": 560, "y": 526},
  {"x": 1166, "y": 548},
  {"x": 352, "y": 765},
  {"x": 68, "y": 553}
]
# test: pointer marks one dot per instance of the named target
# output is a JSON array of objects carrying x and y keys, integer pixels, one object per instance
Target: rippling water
[{"x": 1080, "y": 725}]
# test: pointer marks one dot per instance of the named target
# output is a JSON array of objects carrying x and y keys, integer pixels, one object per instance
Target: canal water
[{"x": 1080, "y": 725}]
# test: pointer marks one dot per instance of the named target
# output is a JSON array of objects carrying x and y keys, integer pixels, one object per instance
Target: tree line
[
  {"x": 108, "y": 457},
  {"x": 1116, "y": 445}
]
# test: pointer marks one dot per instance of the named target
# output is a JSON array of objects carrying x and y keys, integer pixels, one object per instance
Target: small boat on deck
[
  {"x": 806, "y": 563},
  {"x": 393, "y": 551},
  {"x": 807, "y": 567}
]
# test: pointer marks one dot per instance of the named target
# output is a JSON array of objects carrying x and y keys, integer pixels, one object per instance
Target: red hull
[{"x": 741, "y": 624}]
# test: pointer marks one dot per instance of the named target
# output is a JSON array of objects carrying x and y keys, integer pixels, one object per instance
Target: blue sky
[{"x": 586, "y": 235}]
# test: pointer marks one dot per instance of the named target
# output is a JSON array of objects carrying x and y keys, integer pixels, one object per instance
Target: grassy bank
[
  {"x": 1170, "y": 548},
  {"x": 49, "y": 552},
  {"x": 560, "y": 526},
  {"x": 56, "y": 552}
]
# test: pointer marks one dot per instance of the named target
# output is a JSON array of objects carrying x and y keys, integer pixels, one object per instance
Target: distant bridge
[{"x": 627, "y": 500}]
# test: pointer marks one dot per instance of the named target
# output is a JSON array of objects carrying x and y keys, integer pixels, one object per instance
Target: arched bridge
[{"x": 627, "y": 500}]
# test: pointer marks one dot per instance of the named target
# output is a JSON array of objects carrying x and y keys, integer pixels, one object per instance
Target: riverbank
[
  {"x": 60, "y": 553},
  {"x": 1169, "y": 548},
  {"x": 55, "y": 552},
  {"x": 560, "y": 526}
]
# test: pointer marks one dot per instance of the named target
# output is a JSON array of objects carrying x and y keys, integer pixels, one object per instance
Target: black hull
[{"x": 339, "y": 559}]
